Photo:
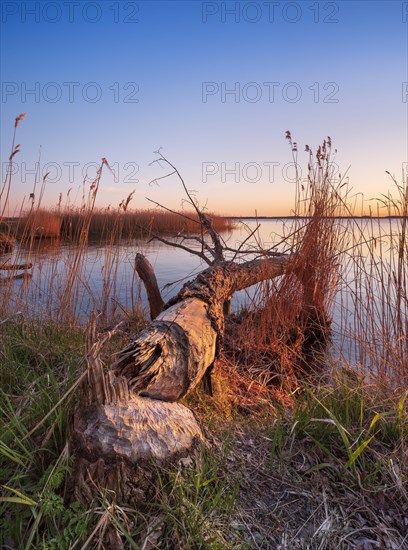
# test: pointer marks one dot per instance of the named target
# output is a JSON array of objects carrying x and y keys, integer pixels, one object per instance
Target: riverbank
[
  {"x": 324, "y": 466},
  {"x": 303, "y": 449}
]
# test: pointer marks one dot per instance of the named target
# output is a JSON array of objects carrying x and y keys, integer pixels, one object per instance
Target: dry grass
[
  {"x": 289, "y": 326},
  {"x": 39, "y": 224},
  {"x": 288, "y": 501},
  {"x": 135, "y": 224},
  {"x": 322, "y": 468}
]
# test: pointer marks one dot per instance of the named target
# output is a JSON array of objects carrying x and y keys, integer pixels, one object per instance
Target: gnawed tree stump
[
  {"x": 129, "y": 415},
  {"x": 119, "y": 438},
  {"x": 118, "y": 445},
  {"x": 120, "y": 431}
]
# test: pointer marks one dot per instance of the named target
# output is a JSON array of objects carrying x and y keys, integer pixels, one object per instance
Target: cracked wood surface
[{"x": 168, "y": 359}]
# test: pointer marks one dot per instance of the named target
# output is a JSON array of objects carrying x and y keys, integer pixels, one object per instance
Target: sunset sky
[{"x": 215, "y": 84}]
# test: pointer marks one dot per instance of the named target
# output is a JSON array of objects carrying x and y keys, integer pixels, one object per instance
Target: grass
[
  {"x": 325, "y": 466},
  {"x": 305, "y": 449},
  {"x": 39, "y": 364}
]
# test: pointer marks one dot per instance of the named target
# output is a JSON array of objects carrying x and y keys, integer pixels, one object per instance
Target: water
[
  {"x": 110, "y": 269},
  {"x": 106, "y": 281}
]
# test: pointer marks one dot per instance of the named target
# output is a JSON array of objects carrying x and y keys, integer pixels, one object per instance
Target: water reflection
[{"x": 70, "y": 282}]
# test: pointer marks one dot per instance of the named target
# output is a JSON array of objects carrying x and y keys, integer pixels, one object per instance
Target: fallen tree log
[
  {"x": 169, "y": 358},
  {"x": 145, "y": 271},
  {"x": 128, "y": 415}
]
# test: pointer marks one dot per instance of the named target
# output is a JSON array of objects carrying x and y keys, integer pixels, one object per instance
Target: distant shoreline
[
  {"x": 18, "y": 218},
  {"x": 308, "y": 217}
]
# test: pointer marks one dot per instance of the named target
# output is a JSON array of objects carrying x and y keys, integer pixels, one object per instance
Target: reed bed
[
  {"x": 288, "y": 327},
  {"x": 106, "y": 224},
  {"x": 39, "y": 223},
  {"x": 137, "y": 223},
  {"x": 375, "y": 281},
  {"x": 76, "y": 252}
]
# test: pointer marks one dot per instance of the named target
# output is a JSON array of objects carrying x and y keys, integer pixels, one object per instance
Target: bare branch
[
  {"x": 146, "y": 273},
  {"x": 173, "y": 211},
  {"x": 177, "y": 245},
  {"x": 155, "y": 180},
  {"x": 246, "y": 240},
  {"x": 197, "y": 239}
]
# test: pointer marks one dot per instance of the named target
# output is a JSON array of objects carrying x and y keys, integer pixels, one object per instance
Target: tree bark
[
  {"x": 145, "y": 271},
  {"x": 169, "y": 358},
  {"x": 129, "y": 415}
]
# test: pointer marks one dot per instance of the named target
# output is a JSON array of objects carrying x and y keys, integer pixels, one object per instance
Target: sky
[{"x": 214, "y": 84}]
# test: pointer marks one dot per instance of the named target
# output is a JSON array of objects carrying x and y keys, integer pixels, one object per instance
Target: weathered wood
[
  {"x": 169, "y": 358},
  {"x": 220, "y": 281},
  {"x": 145, "y": 271},
  {"x": 137, "y": 430},
  {"x": 115, "y": 434}
]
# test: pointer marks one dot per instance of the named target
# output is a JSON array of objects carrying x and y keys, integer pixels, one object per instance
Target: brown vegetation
[
  {"x": 288, "y": 327},
  {"x": 6, "y": 243},
  {"x": 135, "y": 224},
  {"x": 39, "y": 223}
]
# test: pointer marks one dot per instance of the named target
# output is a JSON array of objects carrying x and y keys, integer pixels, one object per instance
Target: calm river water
[{"x": 105, "y": 278}]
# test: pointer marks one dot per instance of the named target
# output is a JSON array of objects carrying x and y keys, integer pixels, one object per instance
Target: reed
[
  {"x": 375, "y": 284},
  {"x": 308, "y": 438},
  {"x": 136, "y": 224},
  {"x": 40, "y": 224},
  {"x": 287, "y": 328}
]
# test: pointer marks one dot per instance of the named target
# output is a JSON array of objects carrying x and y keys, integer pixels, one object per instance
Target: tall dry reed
[
  {"x": 70, "y": 278},
  {"x": 375, "y": 288},
  {"x": 288, "y": 327}
]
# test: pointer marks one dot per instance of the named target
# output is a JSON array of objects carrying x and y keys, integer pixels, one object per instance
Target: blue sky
[{"x": 121, "y": 79}]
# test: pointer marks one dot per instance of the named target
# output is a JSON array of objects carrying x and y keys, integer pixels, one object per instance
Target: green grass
[
  {"x": 39, "y": 365},
  {"x": 227, "y": 494},
  {"x": 348, "y": 425}
]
